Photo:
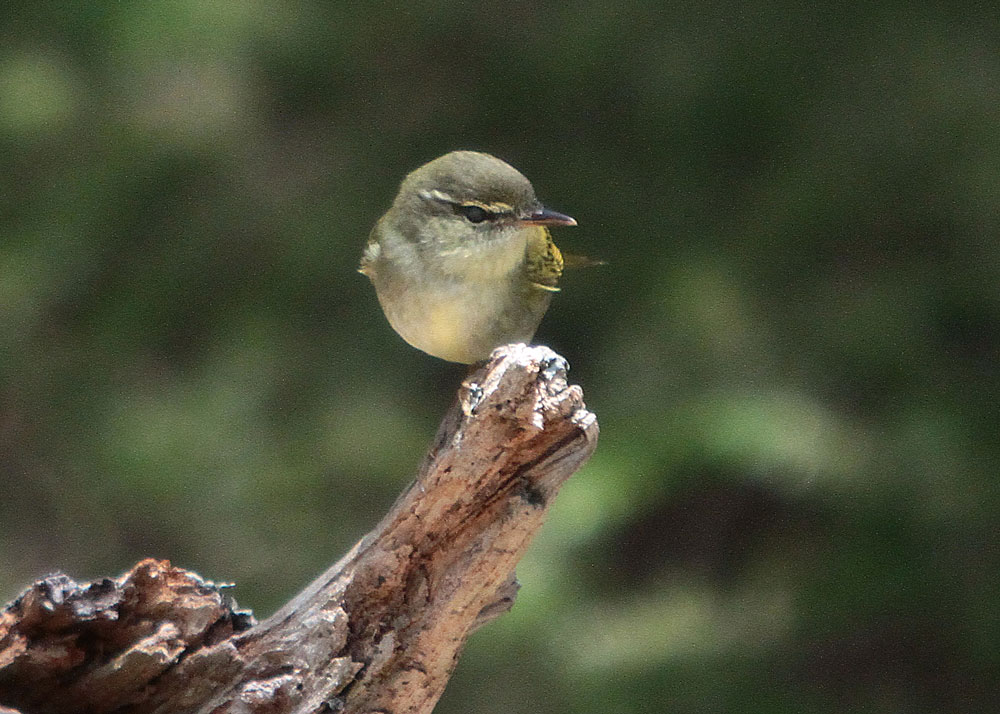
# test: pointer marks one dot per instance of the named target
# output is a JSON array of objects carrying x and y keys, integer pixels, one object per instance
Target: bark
[{"x": 380, "y": 631}]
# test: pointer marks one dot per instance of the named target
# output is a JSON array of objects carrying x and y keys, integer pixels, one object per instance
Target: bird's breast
[{"x": 459, "y": 303}]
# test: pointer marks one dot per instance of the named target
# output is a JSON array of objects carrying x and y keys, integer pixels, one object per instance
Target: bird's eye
[{"x": 474, "y": 213}]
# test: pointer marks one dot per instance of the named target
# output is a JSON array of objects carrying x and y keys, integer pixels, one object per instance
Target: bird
[{"x": 463, "y": 261}]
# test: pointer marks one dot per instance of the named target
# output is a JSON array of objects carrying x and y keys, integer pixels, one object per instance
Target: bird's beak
[{"x": 545, "y": 217}]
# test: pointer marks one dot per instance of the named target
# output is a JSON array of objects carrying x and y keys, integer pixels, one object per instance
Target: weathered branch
[{"x": 380, "y": 631}]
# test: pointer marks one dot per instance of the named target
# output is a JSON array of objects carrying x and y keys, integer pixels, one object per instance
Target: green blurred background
[{"x": 792, "y": 352}]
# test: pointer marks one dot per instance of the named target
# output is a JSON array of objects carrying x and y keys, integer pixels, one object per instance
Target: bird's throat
[{"x": 487, "y": 261}]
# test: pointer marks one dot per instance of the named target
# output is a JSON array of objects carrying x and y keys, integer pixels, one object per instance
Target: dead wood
[{"x": 380, "y": 631}]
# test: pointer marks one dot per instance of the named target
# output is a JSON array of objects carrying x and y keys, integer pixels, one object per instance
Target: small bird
[{"x": 463, "y": 261}]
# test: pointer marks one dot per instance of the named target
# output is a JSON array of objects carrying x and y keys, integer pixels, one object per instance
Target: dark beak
[{"x": 545, "y": 217}]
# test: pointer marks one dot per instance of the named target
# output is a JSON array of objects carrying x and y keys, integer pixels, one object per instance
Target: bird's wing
[{"x": 543, "y": 260}]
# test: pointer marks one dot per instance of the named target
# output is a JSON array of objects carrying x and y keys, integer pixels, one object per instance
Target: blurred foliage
[{"x": 793, "y": 351}]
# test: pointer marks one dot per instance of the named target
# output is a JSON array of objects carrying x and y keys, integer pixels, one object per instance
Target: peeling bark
[{"x": 380, "y": 631}]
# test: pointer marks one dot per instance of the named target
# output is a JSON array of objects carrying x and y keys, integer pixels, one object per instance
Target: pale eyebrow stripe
[{"x": 435, "y": 195}]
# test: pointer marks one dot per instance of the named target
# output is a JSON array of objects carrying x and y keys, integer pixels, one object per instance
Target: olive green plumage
[{"x": 463, "y": 261}]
